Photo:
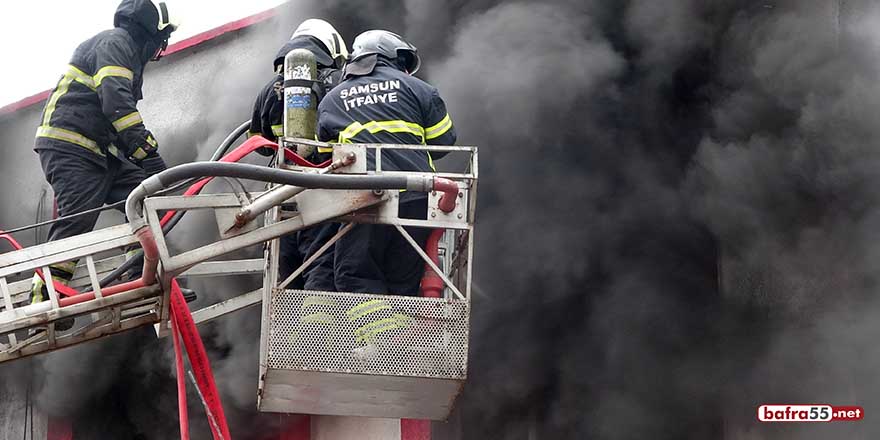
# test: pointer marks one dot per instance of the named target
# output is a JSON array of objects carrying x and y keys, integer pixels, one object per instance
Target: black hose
[
  {"x": 224, "y": 146},
  {"x": 175, "y": 219},
  {"x": 279, "y": 176},
  {"x": 271, "y": 175}
]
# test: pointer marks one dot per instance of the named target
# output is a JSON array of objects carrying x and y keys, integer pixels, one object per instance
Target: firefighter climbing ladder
[{"x": 414, "y": 371}]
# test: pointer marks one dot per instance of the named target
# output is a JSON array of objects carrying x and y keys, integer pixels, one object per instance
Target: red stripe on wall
[
  {"x": 412, "y": 429},
  {"x": 26, "y": 102},
  {"x": 195, "y": 40},
  {"x": 296, "y": 427},
  {"x": 59, "y": 429},
  {"x": 218, "y": 31}
]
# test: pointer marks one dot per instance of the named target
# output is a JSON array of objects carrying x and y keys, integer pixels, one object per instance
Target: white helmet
[{"x": 327, "y": 35}]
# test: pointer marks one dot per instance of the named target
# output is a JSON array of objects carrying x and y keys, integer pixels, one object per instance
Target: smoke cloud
[{"x": 677, "y": 215}]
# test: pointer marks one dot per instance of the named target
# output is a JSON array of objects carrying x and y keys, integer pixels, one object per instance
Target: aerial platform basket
[
  {"x": 415, "y": 371},
  {"x": 315, "y": 360}
]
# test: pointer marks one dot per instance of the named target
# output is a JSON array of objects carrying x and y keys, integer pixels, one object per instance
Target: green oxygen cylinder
[{"x": 300, "y": 100}]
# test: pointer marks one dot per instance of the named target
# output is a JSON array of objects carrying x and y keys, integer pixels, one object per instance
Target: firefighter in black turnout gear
[
  {"x": 92, "y": 142},
  {"x": 379, "y": 101},
  {"x": 321, "y": 39}
]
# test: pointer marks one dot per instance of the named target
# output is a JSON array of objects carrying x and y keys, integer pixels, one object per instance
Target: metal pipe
[
  {"x": 105, "y": 292},
  {"x": 278, "y": 195},
  {"x": 151, "y": 255},
  {"x": 45, "y": 306},
  {"x": 450, "y": 193},
  {"x": 153, "y": 184}
]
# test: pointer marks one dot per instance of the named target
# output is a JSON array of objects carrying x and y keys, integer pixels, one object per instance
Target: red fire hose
[
  {"x": 60, "y": 288},
  {"x": 181, "y": 381},
  {"x": 432, "y": 284},
  {"x": 252, "y": 144},
  {"x": 183, "y": 324}
]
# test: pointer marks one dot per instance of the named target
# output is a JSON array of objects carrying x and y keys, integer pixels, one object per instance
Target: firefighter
[
  {"x": 321, "y": 39},
  {"x": 379, "y": 101},
  {"x": 91, "y": 141}
]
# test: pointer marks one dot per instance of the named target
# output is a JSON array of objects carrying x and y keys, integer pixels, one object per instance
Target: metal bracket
[
  {"x": 360, "y": 163},
  {"x": 457, "y": 216}
]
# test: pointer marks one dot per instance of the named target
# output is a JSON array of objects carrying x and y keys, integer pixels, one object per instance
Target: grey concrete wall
[{"x": 19, "y": 418}]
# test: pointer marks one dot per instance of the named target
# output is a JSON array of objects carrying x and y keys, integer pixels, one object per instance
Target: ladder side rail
[
  {"x": 20, "y": 290},
  {"x": 35, "y": 257},
  {"x": 18, "y": 319},
  {"x": 7, "y": 300},
  {"x": 64, "y": 245},
  {"x": 38, "y": 344}
]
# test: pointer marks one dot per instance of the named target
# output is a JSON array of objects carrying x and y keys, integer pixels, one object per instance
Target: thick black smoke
[
  {"x": 676, "y": 209},
  {"x": 677, "y": 212}
]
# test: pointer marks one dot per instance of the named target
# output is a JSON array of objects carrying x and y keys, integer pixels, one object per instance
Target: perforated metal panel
[{"x": 368, "y": 334}]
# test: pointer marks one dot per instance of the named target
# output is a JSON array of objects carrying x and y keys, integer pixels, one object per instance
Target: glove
[
  {"x": 148, "y": 148},
  {"x": 153, "y": 164}
]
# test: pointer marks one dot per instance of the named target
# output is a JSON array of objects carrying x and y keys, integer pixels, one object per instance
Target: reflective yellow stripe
[
  {"x": 80, "y": 76},
  {"x": 69, "y": 136},
  {"x": 439, "y": 128},
  {"x": 139, "y": 154},
  {"x": 152, "y": 141},
  {"x": 367, "y": 307},
  {"x": 37, "y": 285},
  {"x": 368, "y": 332},
  {"x": 396, "y": 126},
  {"x": 37, "y": 289},
  {"x": 318, "y": 318},
  {"x": 68, "y": 267},
  {"x": 402, "y": 320},
  {"x": 60, "y": 90},
  {"x": 318, "y": 301},
  {"x": 127, "y": 121},
  {"x": 278, "y": 130},
  {"x": 325, "y": 149},
  {"x": 106, "y": 71}
]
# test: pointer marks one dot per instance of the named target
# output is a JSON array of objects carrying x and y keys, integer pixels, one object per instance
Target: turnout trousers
[
  {"x": 80, "y": 184},
  {"x": 377, "y": 259}
]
